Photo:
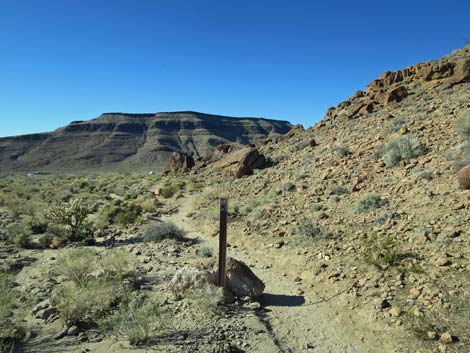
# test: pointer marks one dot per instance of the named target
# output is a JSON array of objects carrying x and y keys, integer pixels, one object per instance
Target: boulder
[
  {"x": 463, "y": 177},
  {"x": 241, "y": 281},
  {"x": 189, "y": 278},
  {"x": 179, "y": 162},
  {"x": 241, "y": 162}
]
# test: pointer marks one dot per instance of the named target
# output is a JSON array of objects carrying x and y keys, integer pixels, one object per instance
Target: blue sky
[{"x": 64, "y": 60}]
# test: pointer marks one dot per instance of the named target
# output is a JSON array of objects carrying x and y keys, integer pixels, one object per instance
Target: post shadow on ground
[{"x": 268, "y": 299}]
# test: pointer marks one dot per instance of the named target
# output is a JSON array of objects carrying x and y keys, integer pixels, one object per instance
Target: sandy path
[{"x": 295, "y": 323}]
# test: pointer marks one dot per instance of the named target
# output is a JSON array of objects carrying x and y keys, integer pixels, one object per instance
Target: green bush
[
  {"x": 370, "y": 202},
  {"x": 20, "y": 235},
  {"x": 462, "y": 126},
  {"x": 45, "y": 240},
  {"x": 159, "y": 231},
  {"x": 403, "y": 148},
  {"x": 380, "y": 251},
  {"x": 120, "y": 212},
  {"x": 310, "y": 228},
  {"x": 169, "y": 190}
]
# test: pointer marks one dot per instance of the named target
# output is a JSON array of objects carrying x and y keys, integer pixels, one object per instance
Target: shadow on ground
[{"x": 282, "y": 300}]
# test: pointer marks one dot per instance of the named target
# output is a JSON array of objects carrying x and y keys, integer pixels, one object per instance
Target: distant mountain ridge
[{"x": 115, "y": 139}]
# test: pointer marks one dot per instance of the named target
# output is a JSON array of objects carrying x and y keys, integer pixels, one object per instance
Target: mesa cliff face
[{"x": 115, "y": 139}]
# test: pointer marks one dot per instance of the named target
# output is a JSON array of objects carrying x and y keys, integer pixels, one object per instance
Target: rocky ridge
[{"x": 393, "y": 240}]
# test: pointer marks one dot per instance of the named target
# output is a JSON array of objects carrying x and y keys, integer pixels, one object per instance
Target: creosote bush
[
  {"x": 159, "y": 231},
  {"x": 403, "y": 148},
  {"x": 119, "y": 212}
]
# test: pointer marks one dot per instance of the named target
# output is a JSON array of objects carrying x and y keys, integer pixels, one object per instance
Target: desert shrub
[
  {"x": 73, "y": 216},
  {"x": 38, "y": 226},
  {"x": 403, "y": 148},
  {"x": 119, "y": 212},
  {"x": 205, "y": 252},
  {"x": 137, "y": 318},
  {"x": 116, "y": 264},
  {"x": 425, "y": 174},
  {"x": 301, "y": 175},
  {"x": 380, "y": 251},
  {"x": 158, "y": 231},
  {"x": 310, "y": 228},
  {"x": 19, "y": 234},
  {"x": 462, "y": 126},
  {"x": 88, "y": 302},
  {"x": 317, "y": 207},
  {"x": 171, "y": 189},
  {"x": 45, "y": 240},
  {"x": 288, "y": 186},
  {"x": 206, "y": 299},
  {"x": 339, "y": 190},
  {"x": 343, "y": 151},
  {"x": 11, "y": 328},
  {"x": 370, "y": 202},
  {"x": 77, "y": 265}
]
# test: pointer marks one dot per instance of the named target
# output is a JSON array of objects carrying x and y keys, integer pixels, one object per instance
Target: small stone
[
  {"x": 443, "y": 261},
  {"x": 73, "y": 331},
  {"x": 446, "y": 337},
  {"x": 432, "y": 335},
  {"x": 45, "y": 314},
  {"x": 395, "y": 312},
  {"x": 414, "y": 293}
]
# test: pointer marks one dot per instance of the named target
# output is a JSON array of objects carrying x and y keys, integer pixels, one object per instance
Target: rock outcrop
[
  {"x": 178, "y": 163},
  {"x": 241, "y": 162}
]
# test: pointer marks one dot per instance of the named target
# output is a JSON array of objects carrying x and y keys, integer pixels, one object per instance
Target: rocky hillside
[
  {"x": 116, "y": 139},
  {"x": 364, "y": 208}
]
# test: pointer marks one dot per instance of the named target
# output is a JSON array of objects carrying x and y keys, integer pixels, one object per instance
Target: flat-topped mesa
[
  {"x": 393, "y": 87},
  {"x": 142, "y": 140}
]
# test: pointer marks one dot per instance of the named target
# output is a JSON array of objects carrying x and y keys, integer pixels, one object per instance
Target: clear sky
[{"x": 64, "y": 60}]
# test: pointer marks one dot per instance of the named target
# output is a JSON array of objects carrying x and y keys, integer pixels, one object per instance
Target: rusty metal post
[{"x": 223, "y": 242}]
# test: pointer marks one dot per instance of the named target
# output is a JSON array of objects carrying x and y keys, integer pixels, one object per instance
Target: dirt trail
[{"x": 296, "y": 323}]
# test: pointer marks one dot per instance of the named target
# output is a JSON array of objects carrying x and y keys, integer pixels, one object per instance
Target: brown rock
[
  {"x": 241, "y": 162},
  {"x": 463, "y": 177},
  {"x": 446, "y": 337},
  {"x": 461, "y": 72},
  {"x": 241, "y": 281},
  {"x": 396, "y": 95}
]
